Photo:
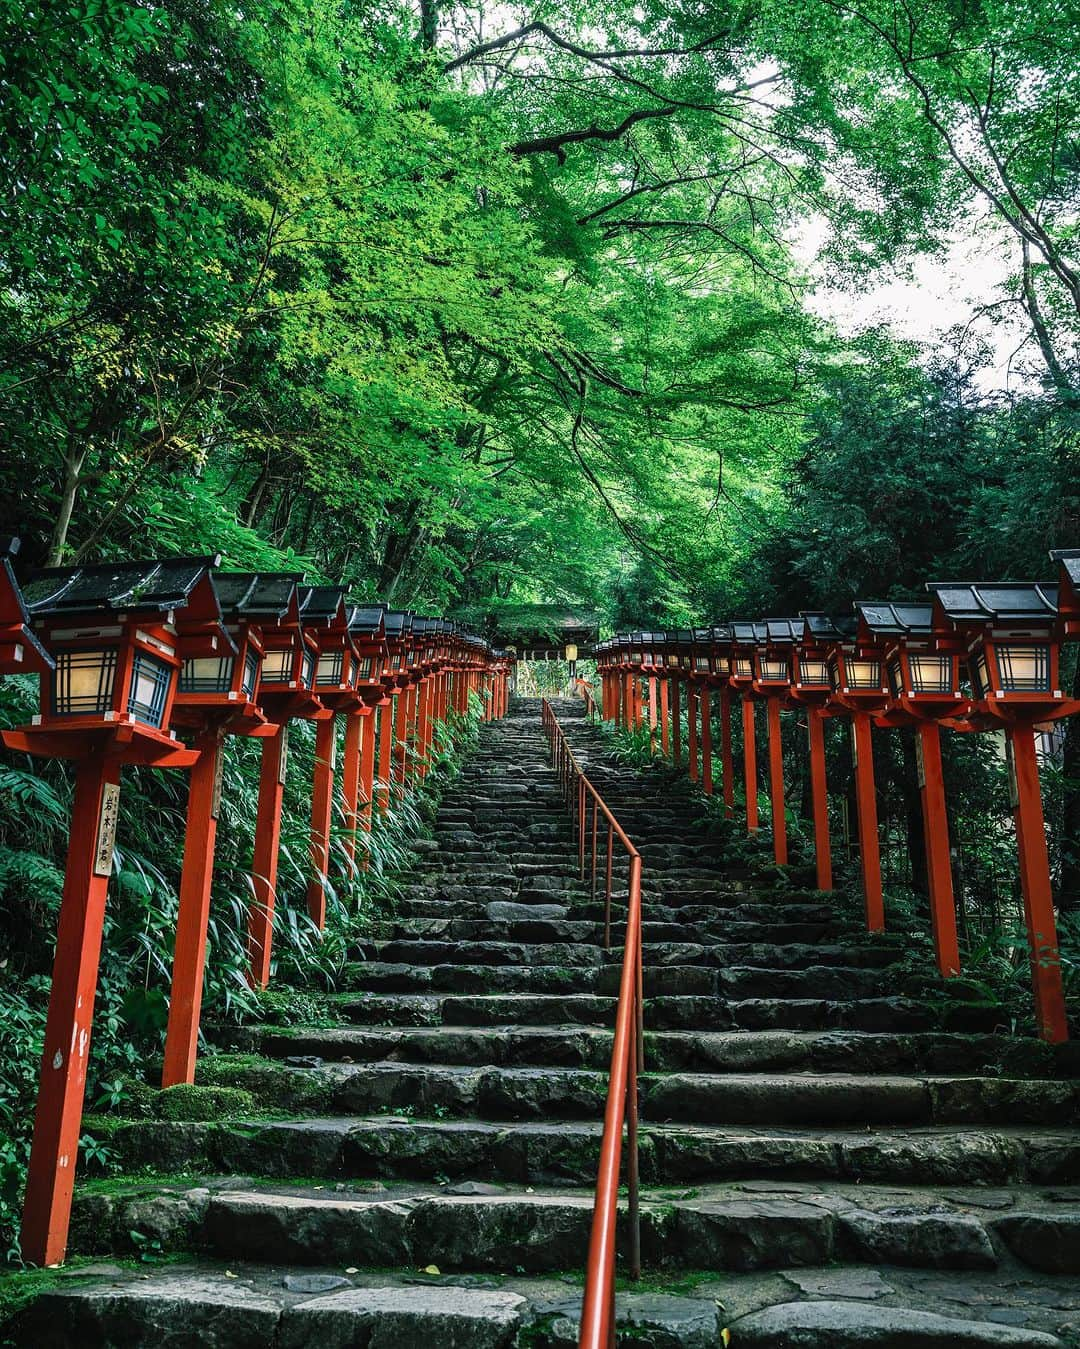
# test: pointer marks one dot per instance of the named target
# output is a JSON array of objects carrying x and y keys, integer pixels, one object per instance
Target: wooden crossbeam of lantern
[
  {"x": 1010, "y": 635},
  {"x": 114, "y": 632},
  {"x": 923, "y": 677}
]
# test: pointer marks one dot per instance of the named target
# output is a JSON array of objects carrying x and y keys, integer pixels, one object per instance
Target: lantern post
[
  {"x": 810, "y": 688},
  {"x": 113, "y": 634},
  {"x": 680, "y": 663},
  {"x": 744, "y": 640},
  {"x": 216, "y": 696},
  {"x": 661, "y": 656},
  {"x": 286, "y": 692},
  {"x": 394, "y": 677},
  {"x": 923, "y": 674},
  {"x": 1010, "y": 633},
  {"x": 367, "y": 635},
  {"x": 772, "y": 682},
  {"x": 856, "y": 675}
]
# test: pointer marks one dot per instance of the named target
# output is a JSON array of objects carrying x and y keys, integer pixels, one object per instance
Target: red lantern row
[
  {"x": 155, "y": 663},
  {"x": 976, "y": 657}
]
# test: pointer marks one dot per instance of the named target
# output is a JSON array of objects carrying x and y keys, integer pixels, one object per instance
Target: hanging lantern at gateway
[
  {"x": 1010, "y": 634},
  {"x": 114, "y": 633},
  {"x": 924, "y": 687}
]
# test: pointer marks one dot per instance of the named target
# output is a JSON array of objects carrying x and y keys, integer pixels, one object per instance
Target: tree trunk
[{"x": 73, "y": 463}]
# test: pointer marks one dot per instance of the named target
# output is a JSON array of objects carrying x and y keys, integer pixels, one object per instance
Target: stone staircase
[{"x": 832, "y": 1153}]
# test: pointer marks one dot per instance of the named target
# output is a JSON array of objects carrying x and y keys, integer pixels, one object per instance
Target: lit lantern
[
  {"x": 924, "y": 684},
  {"x": 1010, "y": 633},
  {"x": 772, "y": 669},
  {"x": 744, "y": 642},
  {"x": 114, "y": 632},
  {"x": 20, "y": 650}
]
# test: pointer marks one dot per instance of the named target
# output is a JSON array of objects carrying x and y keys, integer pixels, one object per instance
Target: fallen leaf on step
[{"x": 431, "y": 1269}]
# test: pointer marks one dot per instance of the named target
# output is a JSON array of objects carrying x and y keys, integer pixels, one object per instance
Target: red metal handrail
[{"x": 627, "y": 1052}]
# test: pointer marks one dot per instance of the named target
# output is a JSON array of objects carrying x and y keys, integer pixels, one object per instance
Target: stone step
[
  {"x": 396, "y": 1147},
  {"x": 711, "y": 1051},
  {"x": 718, "y": 1227},
  {"x": 669, "y": 1012},
  {"x": 780, "y": 1099}
]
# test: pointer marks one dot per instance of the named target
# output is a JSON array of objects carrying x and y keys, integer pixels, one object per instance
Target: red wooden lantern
[
  {"x": 811, "y": 688},
  {"x": 216, "y": 696},
  {"x": 287, "y": 677},
  {"x": 857, "y": 679},
  {"x": 744, "y": 642},
  {"x": 326, "y": 623},
  {"x": 114, "y": 633},
  {"x": 1010, "y": 633},
  {"x": 924, "y": 687},
  {"x": 773, "y": 658},
  {"x": 367, "y": 632}
]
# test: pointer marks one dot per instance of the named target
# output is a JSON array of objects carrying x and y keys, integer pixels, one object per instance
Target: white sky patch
[{"x": 930, "y": 299}]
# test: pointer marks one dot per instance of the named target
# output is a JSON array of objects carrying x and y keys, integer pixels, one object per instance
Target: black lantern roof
[
  {"x": 260, "y": 596},
  {"x": 748, "y": 634},
  {"x": 394, "y": 620},
  {"x": 721, "y": 632},
  {"x": 879, "y": 618},
  {"x": 366, "y": 620},
  {"x": 161, "y": 584},
  {"x": 320, "y": 604},
  {"x": 782, "y": 631},
  {"x": 999, "y": 601},
  {"x": 826, "y": 628}
]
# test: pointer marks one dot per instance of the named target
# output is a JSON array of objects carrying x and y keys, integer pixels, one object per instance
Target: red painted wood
[
  {"x": 653, "y": 713},
  {"x": 727, "y": 765},
  {"x": 355, "y": 724},
  {"x": 193, "y": 914},
  {"x": 264, "y": 869},
  {"x": 322, "y": 798},
  {"x": 386, "y": 746},
  {"x": 58, "y": 1117},
  {"x": 705, "y": 701},
  {"x": 676, "y": 722},
  {"x": 692, "y": 734},
  {"x": 423, "y": 726},
  {"x": 776, "y": 783},
  {"x": 367, "y": 771},
  {"x": 1035, "y": 884},
  {"x": 665, "y": 719},
  {"x": 938, "y": 860},
  {"x": 866, "y": 802},
  {"x": 401, "y": 738},
  {"x": 750, "y": 764},
  {"x": 819, "y": 798}
]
